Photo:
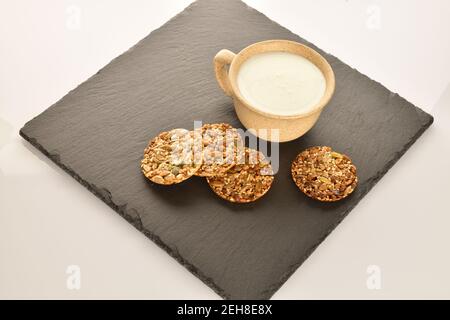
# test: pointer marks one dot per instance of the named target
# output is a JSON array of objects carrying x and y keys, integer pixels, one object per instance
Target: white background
[{"x": 48, "y": 221}]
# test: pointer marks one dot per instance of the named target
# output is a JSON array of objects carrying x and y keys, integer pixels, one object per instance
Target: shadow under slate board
[{"x": 97, "y": 133}]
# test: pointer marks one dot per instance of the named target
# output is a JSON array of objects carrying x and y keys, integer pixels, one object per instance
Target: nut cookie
[
  {"x": 221, "y": 143},
  {"x": 323, "y": 174},
  {"x": 247, "y": 181},
  {"x": 172, "y": 157}
]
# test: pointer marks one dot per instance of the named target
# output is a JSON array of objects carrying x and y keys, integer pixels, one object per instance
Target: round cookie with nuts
[
  {"x": 221, "y": 142},
  {"x": 247, "y": 181},
  {"x": 324, "y": 174},
  {"x": 172, "y": 157}
]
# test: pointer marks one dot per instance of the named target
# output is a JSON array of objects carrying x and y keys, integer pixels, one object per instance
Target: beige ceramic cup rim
[{"x": 274, "y": 46}]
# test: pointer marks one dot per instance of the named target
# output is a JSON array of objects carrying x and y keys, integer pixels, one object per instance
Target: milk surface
[{"x": 281, "y": 83}]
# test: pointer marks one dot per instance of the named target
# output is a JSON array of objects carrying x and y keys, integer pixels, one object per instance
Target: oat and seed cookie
[
  {"x": 247, "y": 181},
  {"x": 323, "y": 174},
  {"x": 172, "y": 157}
]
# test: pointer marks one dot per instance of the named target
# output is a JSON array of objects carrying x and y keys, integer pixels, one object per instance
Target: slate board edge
[
  {"x": 136, "y": 222},
  {"x": 375, "y": 180},
  {"x": 312, "y": 45},
  {"x": 106, "y": 196}
]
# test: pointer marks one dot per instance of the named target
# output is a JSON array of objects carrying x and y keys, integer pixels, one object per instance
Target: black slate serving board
[{"x": 98, "y": 131}]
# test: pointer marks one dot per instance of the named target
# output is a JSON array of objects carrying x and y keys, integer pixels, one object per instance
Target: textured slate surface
[{"x": 98, "y": 131}]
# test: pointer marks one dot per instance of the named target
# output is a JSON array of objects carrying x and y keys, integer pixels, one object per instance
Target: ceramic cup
[{"x": 290, "y": 126}]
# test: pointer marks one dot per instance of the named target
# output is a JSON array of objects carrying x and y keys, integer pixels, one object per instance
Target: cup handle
[{"x": 223, "y": 58}]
